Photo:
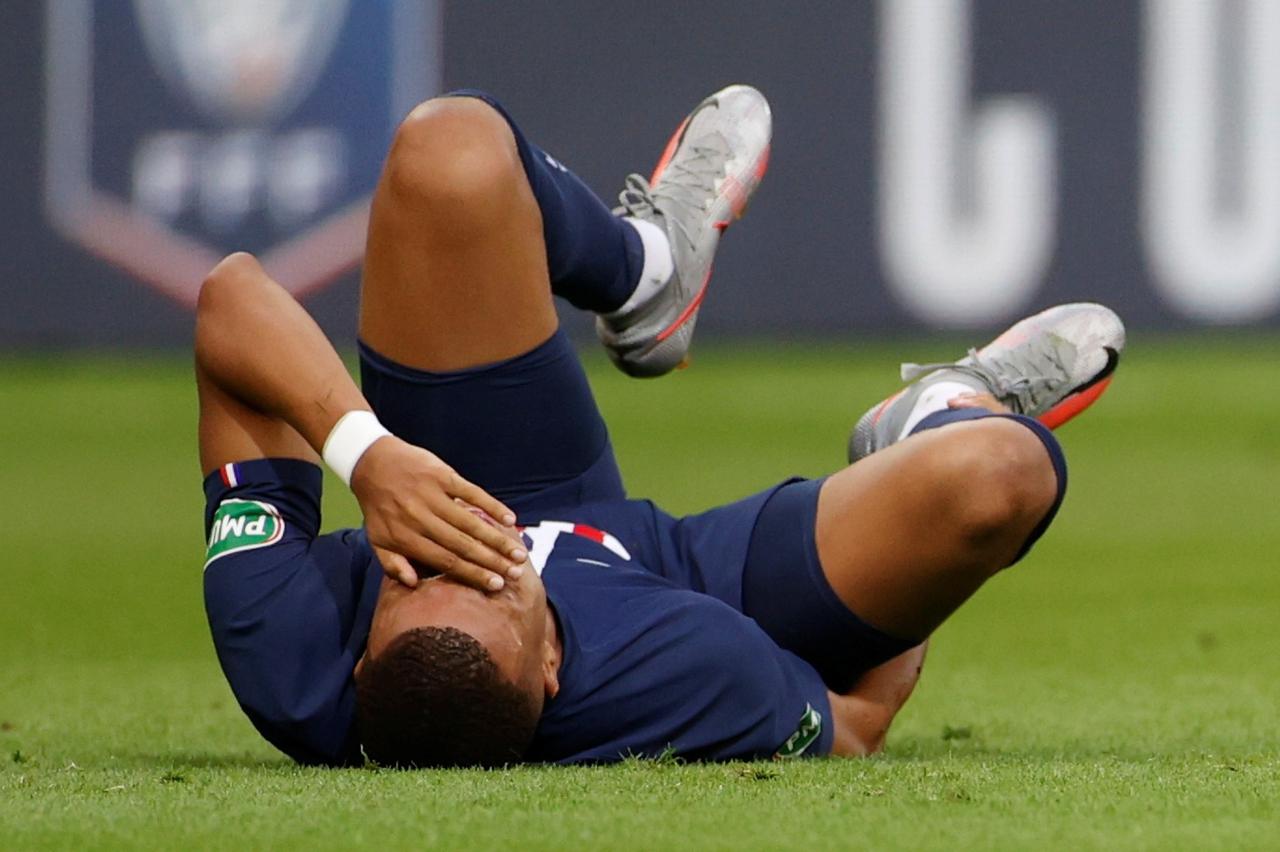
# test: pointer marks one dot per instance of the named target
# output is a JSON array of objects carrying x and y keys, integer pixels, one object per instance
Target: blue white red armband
[{"x": 350, "y": 437}]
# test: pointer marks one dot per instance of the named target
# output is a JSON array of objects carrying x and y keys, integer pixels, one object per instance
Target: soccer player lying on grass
[{"x": 790, "y": 622}]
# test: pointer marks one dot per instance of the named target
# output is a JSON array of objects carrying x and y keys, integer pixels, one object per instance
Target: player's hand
[
  {"x": 978, "y": 400},
  {"x": 416, "y": 512}
]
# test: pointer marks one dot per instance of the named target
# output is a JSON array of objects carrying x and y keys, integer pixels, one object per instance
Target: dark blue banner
[{"x": 937, "y": 163}]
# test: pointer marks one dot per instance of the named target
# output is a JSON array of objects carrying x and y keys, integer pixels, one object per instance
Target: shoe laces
[
  {"x": 1029, "y": 381},
  {"x": 636, "y": 198},
  {"x": 681, "y": 195}
]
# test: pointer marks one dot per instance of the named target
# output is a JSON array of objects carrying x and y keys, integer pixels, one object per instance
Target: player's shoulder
[
  {"x": 622, "y": 610},
  {"x": 633, "y": 640}
]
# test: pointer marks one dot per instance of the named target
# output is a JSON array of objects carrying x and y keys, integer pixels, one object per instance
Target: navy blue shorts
[{"x": 527, "y": 430}]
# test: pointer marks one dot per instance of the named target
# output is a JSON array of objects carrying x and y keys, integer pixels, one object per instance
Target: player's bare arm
[
  {"x": 863, "y": 715},
  {"x": 255, "y": 344}
]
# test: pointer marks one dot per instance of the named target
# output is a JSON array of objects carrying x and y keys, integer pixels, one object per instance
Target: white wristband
[{"x": 354, "y": 433}]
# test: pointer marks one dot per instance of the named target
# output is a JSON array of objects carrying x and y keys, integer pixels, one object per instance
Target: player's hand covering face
[
  {"x": 514, "y": 624},
  {"x": 410, "y": 500},
  {"x": 453, "y": 676}
]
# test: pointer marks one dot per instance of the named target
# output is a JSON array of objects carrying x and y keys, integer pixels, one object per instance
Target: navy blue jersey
[{"x": 648, "y": 666}]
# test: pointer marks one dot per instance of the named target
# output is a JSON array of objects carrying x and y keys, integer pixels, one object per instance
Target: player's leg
[
  {"x": 474, "y": 227},
  {"x": 455, "y": 271},
  {"x": 703, "y": 182},
  {"x": 977, "y": 494},
  {"x": 851, "y": 570},
  {"x": 460, "y": 351},
  {"x": 909, "y": 534},
  {"x": 473, "y": 230}
]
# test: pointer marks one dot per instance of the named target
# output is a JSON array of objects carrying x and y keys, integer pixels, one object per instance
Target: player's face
[{"x": 515, "y": 625}]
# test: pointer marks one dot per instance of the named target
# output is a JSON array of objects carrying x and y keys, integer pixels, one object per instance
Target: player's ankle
[
  {"x": 657, "y": 270},
  {"x": 935, "y": 398}
]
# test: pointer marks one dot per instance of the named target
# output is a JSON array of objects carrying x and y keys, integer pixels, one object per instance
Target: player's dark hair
[{"x": 435, "y": 697}]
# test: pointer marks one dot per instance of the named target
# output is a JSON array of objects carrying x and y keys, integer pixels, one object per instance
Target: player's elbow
[
  {"x": 229, "y": 275},
  {"x": 220, "y": 293},
  {"x": 856, "y": 746},
  {"x": 860, "y": 726}
]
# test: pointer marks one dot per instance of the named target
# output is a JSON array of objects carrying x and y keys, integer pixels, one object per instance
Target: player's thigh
[
  {"x": 455, "y": 270},
  {"x": 760, "y": 556},
  {"x": 460, "y": 349},
  {"x": 786, "y": 590},
  {"x": 909, "y": 533}
]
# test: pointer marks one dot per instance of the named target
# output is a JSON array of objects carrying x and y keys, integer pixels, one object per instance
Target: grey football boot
[
  {"x": 702, "y": 183},
  {"x": 1050, "y": 366}
]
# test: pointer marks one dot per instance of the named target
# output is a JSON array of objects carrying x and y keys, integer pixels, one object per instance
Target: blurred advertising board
[{"x": 937, "y": 163}]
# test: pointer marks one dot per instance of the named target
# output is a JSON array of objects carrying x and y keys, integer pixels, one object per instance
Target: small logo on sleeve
[
  {"x": 243, "y": 525},
  {"x": 807, "y": 733}
]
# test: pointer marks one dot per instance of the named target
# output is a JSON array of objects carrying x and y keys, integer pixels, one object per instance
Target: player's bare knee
[
  {"x": 1003, "y": 477},
  {"x": 455, "y": 156}
]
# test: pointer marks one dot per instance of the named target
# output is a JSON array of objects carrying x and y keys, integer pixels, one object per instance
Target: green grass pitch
[{"x": 1120, "y": 688}]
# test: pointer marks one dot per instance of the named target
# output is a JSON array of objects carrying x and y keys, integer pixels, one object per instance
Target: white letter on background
[
  {"x": 1215, "y": 264},
  {"x": 966, "y": 200}
]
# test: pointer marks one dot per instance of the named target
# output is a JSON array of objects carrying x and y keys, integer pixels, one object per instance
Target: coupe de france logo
[{"x": 180, "y": 130}]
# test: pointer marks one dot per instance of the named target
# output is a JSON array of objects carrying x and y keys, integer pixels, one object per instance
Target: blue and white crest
[
  {"x": 241, "y": 61},
  {"x": 179, "y": 130}
]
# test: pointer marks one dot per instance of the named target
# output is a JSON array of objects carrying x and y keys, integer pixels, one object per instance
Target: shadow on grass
[
  {"x": 185, "y": 760},
  {"x": 924, "y": 750},
  {"x": 918, "y": 751}
]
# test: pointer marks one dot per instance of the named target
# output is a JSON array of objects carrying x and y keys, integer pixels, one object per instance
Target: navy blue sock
[
  {"x": 1051, "y": 445},
  {"x": 594, "y": 258}
]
